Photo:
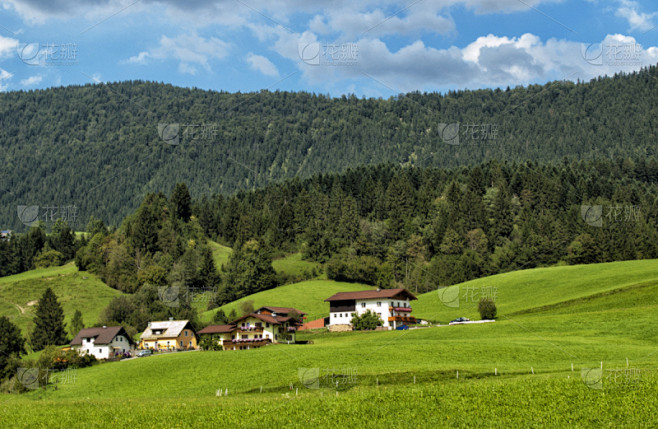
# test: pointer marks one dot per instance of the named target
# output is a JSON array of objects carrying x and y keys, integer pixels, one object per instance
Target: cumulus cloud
[
  {"x": 637, "y": 20},
  {"x": 262, "y": 64},
  {"x": 7, "y": 46},
  {"x": 32, "y": 80},
  {"x": 189, "y": 50},
  {"x": 4, "y": 75}
]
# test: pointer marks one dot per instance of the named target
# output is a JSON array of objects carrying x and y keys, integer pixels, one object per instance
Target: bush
[
  {"x": 487, "y": 309},
  {"x": 48, "y": 258},
  {"x": 367, "y": 321},
  {"x": 209, "y": 343}
]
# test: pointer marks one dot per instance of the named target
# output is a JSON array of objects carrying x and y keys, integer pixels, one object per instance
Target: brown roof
[
  {"x": 102, "y": 335},
  {"x": 282, "y": 310},
  {"x": 371, "y": 294},
  {"x": 217, "y": 329},
  {"x": 265, "y": 318}
]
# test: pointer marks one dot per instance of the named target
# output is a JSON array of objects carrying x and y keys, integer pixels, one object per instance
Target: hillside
[
  {"x": 105, "y": 145},
  {"x": 527, "y": 291},
  {"x": 75, "y": 291},
  {"x": 466, "y": 372},
  {"x": 307, "y": 296}
]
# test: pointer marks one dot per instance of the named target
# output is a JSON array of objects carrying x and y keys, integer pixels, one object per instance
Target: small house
[
  {"x": 103, "y": 343},
  {"x": 169, "y": 335}
]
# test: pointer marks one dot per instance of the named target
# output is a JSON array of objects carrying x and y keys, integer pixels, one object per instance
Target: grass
[
  {"x": 75, "y": 291},
  {"x": 514, "y": 372},
  {"x": 294, "y": 265},
  {"x": 306, "y": 296},
  {"x": 220, "y": 253}
]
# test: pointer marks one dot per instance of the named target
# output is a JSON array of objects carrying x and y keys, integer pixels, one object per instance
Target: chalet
[
  {"x": 169, "y": 335},
  {"x": 264, "y": 326},
  {"x": 391, "y": 305},
  {"x": 103, "y": 342},
  {"x": 5, "y": 235}
]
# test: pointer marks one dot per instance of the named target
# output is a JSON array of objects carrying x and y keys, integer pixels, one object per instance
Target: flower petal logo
[
  {"x": 169, "y": 295},
  {"x": 592, "y": 53},
  {"x": 592, "y": 377},
  {"x": 309, "y": 377},
  {"x": 30, "y": 53},
  {"x": 169, "y": 133},
  {"x": 449, "y": 296},
  {"x": 449, "y": 133},
  {"x": 592, "y": 215},
  {"x": 29, "y": 215},
  {"x": 309, "y": 53},
  {"x": 28, "y": 377}
]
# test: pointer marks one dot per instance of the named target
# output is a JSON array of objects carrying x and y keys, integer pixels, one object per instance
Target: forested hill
[{"x": 101, "y": 148}]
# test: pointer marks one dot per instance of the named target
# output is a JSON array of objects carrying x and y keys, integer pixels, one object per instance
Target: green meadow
[{"x": 572, "y": 347}]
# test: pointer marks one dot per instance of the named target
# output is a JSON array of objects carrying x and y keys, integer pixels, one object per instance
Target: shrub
[
  {"x": 366, "y": 321},
  {"x": 487, "y": 308}
]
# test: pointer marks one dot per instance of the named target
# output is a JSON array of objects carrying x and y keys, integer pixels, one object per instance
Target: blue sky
[{"x": 369, "y": 48}]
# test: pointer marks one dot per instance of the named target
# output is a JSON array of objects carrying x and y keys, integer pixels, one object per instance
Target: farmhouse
[
  {"x": 391, "y": 305},
  {"x": 103, "y": 342},
  {"x": 169, "y": 335},
  {"x": 264, "y": 326}
]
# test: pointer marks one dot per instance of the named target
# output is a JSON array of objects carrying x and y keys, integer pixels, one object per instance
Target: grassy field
[
  {"x": 573, "y": 347},
  {"x": 75, "y": 291},
  {"x": 307, "y": 296},
  {"x": 220, "y": 253},
  {"x": 294, "y": 265}
]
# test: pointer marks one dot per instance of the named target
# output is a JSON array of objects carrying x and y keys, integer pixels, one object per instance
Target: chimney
[
  {"x": 149, "y": 324},
  {"x": 379, "y": 289},
  {"x": 171, "y": 318},
  {"x": 104, "y": 327}
]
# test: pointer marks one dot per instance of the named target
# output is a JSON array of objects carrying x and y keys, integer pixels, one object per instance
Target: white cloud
[
  {"x": 32, "y": 80},
  {"x": 4, "y": 75},
  {"x": 188, "y": 49},
  {"x": 637, "y": 20},
  {"x": 7, "y": 46},
  {"x": 262, "y": 64}
]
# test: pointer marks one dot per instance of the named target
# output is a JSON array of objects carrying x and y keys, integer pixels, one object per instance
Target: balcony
[
  {"x": 250, "y": 329},
  {"x": 400, "y": 309},
  {"x": 402, "y": 319},
  {"x": 245, "y": 342}
]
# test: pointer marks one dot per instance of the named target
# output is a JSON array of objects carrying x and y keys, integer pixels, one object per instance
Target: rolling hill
[{"x": 75, "y": 291}]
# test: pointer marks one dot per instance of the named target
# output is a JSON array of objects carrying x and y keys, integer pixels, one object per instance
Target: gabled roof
[
  {"x": 170, "y": 328},
  {"x": 371, "y": 294},
  {"x": 281, "y": 310},
  {"x": 103, "y": 335},
  {"x": 275, "y": 320},
  {"x": 217, "y": 329}
]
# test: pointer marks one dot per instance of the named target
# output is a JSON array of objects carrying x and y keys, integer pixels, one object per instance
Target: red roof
[
  {"x": 372, "y": 294},
  {"x": 217, "y": 329}
]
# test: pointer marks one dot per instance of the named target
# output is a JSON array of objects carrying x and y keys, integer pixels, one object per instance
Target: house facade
[
  {"x": 393, "y": 306},
  {"x": 169, "y": 335},
  {"x": 103, "y": 343},
  {"x": 267, "y": 325}
]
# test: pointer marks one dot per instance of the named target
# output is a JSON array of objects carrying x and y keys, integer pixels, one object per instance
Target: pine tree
[
  {"x": 208, "y": 275},
  {"x": 12, "y": 344},
  {"x": 76, "y": 323},
  {"x": 181, "y": 202},
  {"x": 48, "y": 322}
]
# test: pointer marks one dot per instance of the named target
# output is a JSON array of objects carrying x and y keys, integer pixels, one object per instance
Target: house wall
[
  {"x": 379, "y": 306},
  {"x": 100, "y": 351}
]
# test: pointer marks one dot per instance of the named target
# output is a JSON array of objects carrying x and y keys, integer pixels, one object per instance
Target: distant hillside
[
  {"x": 101, "y": 148},
  {"x": 306, "y": 296},
  {"x": 75, "y": 291},
  {"x": 538, "y": 290}
]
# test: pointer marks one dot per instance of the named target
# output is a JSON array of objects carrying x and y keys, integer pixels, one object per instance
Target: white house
[
  {"x": 103, "y": 342},
  {"x": 391, "y": 305},
  {"x": 264, "y": 326}
]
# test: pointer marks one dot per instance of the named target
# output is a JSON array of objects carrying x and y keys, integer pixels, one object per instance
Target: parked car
[
  {"x": 143, "y": 353},
  {"x": 461, "y": 319}
]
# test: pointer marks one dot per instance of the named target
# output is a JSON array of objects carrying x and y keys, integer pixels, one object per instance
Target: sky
[{"x": 369, "y": 48}]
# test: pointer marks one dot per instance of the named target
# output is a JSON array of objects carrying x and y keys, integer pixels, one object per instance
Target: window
[
  {"x": 100, "y": 350},
  {"x": 181, "y": 343},
  {"x": 363, "y": 305},
  {"x": 186, "y": 333},
  {"x": 267, "y": 324},
  {"x": 379, "y": 304},
  {"x": 392, "y": 304}
]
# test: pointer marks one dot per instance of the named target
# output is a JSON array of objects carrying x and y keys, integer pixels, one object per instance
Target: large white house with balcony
[
  {"x": 267, "y": 325},
  {"x": 393, "y": 306}
]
